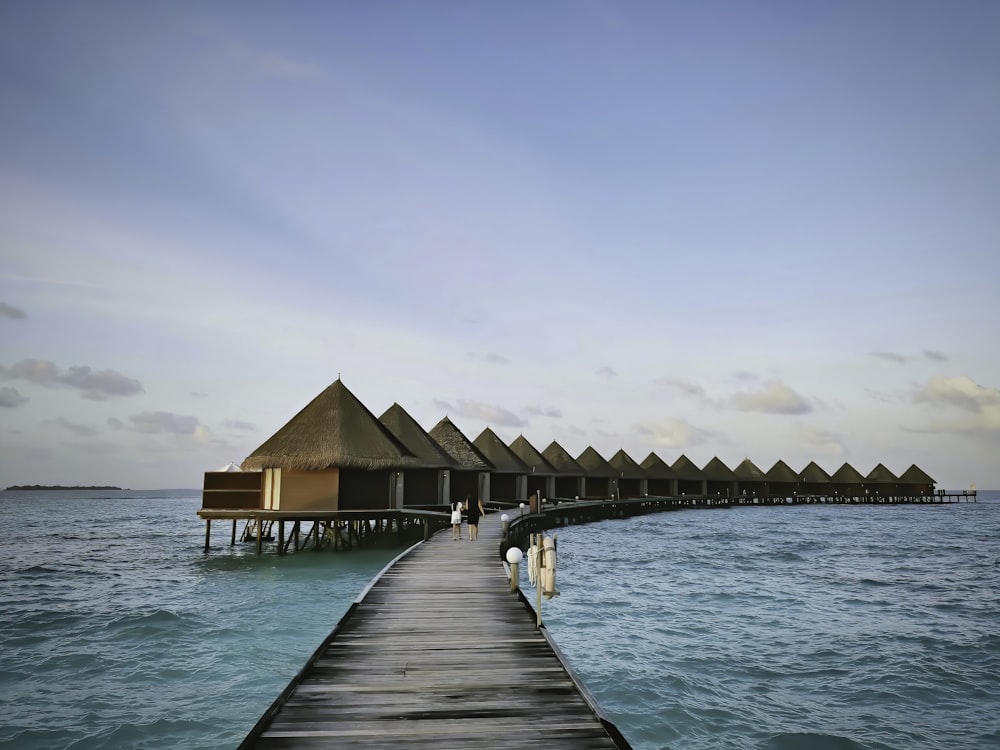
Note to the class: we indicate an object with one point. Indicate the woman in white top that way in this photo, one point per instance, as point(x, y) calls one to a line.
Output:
point(456, 519)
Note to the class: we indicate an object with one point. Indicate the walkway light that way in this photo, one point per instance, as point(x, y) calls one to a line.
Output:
point(514, 557)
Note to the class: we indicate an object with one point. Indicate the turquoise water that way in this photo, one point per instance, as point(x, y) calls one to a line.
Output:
point(772, 628)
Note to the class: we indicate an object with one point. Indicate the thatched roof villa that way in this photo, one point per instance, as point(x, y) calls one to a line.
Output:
point(542, 474)
point(631, 479)
point(427, 484)
point(333, 455)
point(690, 479)
point(509, 479)
point(599, 474)
point(570, 475)
point(470, 473)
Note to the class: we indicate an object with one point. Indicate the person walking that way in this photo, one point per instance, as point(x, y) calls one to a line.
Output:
point(474, 512)
point(456, 519)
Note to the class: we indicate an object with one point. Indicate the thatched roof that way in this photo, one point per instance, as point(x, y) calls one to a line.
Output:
point(594, 465)
point(656, 468)
point(627, 467)
point(504, 460)
point(561, 461)
point(716, 471)
point(685, 468)
point(915, 475)
point(535, 461)
point(781, 472)
point(415, 438)
point(333, 430)
point(881, 474)
point(464, 455)
point(847, 474)
point(748, 471)
point(814, 474)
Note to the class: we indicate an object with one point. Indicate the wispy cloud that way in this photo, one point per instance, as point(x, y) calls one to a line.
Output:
point(967, 406)
point(682, 386)
point(774, 398)
point(9, 311)
point(80, 430)
point(93, 385)
point(543, 411)
point(935, 355)
point(895, 357)
point(607, 373)
point(239, 425)
point(160, 422)
point(677, 433)
point(488, 413)
point(11, 398)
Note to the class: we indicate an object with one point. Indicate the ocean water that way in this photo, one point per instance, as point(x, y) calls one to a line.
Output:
point(808, 627)
point(771, 628)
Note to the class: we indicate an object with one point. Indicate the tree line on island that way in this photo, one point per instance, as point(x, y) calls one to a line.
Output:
point(47, 487)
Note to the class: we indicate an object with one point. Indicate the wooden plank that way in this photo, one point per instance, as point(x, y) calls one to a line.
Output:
point(439, 654)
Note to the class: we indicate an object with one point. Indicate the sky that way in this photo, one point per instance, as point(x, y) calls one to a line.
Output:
point(764, 230)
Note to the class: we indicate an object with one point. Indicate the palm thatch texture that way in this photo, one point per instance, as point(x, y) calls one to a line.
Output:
point(333, 430)
point(916, 475)
point(561, 460)
point(781, 472)
point(626, 466)
point(814, 474)
point(716, 471)
point(464, 455)
point(504, 460)
point(594, 464)
point(748, 471)
point(415, 438)
point(685, 468)
point(881, 474)
point(656, 468)
point(536, 462)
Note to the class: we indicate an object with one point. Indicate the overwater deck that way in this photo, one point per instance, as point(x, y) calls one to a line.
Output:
point(438, 653)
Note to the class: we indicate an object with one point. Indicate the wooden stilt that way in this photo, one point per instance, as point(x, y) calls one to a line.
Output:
point(208, 532)
point(232, 540)
point(260, 536)
point(281, 537)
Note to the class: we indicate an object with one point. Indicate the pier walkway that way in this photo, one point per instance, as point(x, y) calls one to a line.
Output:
point(438, 653)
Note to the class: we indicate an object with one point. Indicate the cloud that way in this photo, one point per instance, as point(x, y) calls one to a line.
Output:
point(775, 398)
point(198, 394)
point(685, 387)
point(10, 398)
point(677, 433)
point(935, 355)
point(607, 373)
point(80, 430)
point(488, 413)
point(160, 422)
point(899, 359)
point(9, 311)
point(238, 424)
point(542, 411)
point(93, 385)
point(824, 442)
point(959, 392)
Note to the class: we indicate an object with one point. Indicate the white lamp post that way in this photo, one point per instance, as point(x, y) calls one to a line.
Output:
point(514, 557)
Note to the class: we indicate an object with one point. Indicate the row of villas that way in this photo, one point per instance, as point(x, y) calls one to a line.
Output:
point(336, 455)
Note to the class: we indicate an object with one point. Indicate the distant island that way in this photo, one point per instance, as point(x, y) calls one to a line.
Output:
point(36, 487)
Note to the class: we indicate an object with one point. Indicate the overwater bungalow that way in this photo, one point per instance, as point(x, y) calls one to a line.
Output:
point(333, 455)
point(751, 480)
point(690, 479)
point(661, 481)
point(782, 482)
point(427, 484)
point(470, 472)
point(509, 478)
point(720, 480)
point(814, 481)
point(882, 483)
point(599, 474)
point(542, 474)
point(916, 483)
point(847, 482)
point(570, 475)
point(631, 478)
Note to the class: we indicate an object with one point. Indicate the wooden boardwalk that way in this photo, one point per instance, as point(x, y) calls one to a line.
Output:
point(438, 653)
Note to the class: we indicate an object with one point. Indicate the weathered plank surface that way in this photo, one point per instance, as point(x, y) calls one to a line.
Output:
point(439, 654)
